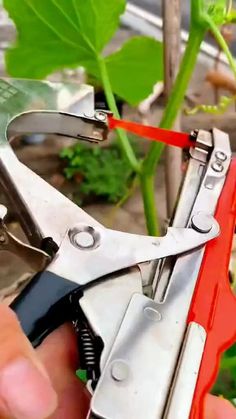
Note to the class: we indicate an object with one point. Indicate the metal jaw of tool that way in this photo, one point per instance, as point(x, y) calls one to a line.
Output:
point(127, 295)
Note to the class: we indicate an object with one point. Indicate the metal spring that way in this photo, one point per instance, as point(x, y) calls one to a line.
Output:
point(87, 346)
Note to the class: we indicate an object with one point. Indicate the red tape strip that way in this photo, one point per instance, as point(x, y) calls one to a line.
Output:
point(177, 139)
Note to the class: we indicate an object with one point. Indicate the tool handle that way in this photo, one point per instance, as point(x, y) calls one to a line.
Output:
point(214, 305)
point(39, 307)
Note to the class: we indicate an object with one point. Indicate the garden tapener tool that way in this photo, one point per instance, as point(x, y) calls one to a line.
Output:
point(152, 314)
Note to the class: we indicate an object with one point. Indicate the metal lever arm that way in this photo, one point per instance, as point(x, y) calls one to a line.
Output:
point(77, 267)
point(60, 123)
point(110, 251)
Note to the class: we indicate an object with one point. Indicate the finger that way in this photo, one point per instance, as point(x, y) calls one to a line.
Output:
point(218, 408)
point(60, 356)
point(25, 388)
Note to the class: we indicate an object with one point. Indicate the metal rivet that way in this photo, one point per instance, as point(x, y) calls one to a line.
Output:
point(152, 314)
point(217, 166)
point(202, 222)
point(119, 370)
point(209, 185)
point(220, 155)
point(84, 237)
point(100, 116)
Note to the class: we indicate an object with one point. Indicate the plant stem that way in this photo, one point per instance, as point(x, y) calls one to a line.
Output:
point(123, 139)
point(171, 111)
point(149, 204)
point(222, 43)
point(177, 95)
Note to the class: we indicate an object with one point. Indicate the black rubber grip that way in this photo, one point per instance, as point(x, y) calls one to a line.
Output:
point(43, 305)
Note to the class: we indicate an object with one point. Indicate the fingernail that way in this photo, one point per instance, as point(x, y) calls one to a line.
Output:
point(26, 392)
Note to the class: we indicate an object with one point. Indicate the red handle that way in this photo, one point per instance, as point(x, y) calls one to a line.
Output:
point(214, 305)
point(177, 139)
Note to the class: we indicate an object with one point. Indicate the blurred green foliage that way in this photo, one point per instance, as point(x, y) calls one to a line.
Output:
point(101, 173)
point(226, 382)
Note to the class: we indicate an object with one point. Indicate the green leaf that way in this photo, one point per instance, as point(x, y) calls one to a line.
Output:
point(135, 68)
point(54, 34)
point(217, 10)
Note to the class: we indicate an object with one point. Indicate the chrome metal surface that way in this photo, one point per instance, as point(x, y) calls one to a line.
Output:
point(138, 343)
point(217, 166)
point(59, 123)
point(84, 237)
point(203, 145)
point(186, 373)
point(220, 155)
point(100, 116)
point(202, 222)
point(119, 370)
point(42, 210)
point(19, 96)
point(119, 250)
point(105, 303)
point(34, 257)
point(152, 314)
point(144, 343)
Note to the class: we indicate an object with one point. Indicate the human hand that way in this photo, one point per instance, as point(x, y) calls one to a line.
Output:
point(40, 384)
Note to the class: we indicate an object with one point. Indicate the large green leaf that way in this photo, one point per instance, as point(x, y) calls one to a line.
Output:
point(56, 34)
point(135, 68)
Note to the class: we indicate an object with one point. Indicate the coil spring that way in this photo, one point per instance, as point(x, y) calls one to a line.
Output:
point(87, 347)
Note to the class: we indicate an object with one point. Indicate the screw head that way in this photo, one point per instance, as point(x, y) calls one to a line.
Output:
point(202, 222)
point(100, 116)
point(119, 370)
point(84, 237)
point(220, 155)
point(209, 185)
point(217, 166)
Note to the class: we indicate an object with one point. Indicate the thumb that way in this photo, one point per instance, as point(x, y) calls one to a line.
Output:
point(218, 408)
point(25, 388)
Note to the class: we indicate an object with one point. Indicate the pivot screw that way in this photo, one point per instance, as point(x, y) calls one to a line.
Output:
point(119, 370)
point(217, 166)
point(100, 116)
point(220, 155)
point(84, 237)
point(202, 222)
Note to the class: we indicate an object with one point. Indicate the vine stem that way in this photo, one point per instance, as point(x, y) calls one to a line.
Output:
point(123, 139)
point(222, 43)
point(172, 109)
